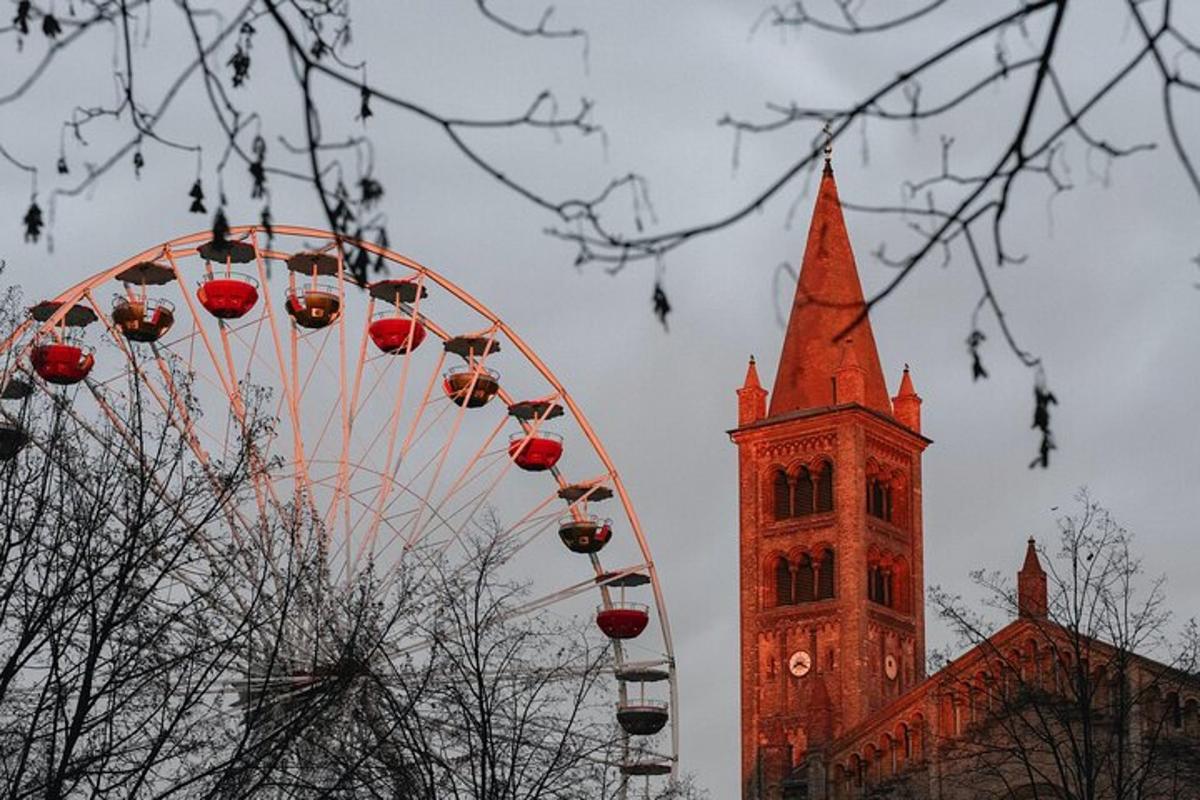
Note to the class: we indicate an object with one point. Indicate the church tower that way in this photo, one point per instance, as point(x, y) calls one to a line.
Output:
point(829, 471)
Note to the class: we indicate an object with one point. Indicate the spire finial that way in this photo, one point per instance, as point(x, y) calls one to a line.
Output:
point(752, 398)
point(1031, 585)
point(828, 131)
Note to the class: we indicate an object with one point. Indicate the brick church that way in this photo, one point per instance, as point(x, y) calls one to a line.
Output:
point(836, 701)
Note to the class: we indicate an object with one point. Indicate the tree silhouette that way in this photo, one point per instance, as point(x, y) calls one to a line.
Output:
point(158, 637)
point(1020, 66)
point(1095, 699)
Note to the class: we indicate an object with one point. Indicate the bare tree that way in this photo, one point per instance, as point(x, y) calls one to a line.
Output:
point(114, 630)
point(1017, 63)
point(222, 50)
point(482, 700)
point(1093, 696)
point(158, 638)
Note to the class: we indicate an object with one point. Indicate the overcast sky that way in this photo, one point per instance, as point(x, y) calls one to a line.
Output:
point(1107, 295)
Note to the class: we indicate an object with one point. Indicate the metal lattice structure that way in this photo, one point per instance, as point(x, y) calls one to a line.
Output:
point(400, 412)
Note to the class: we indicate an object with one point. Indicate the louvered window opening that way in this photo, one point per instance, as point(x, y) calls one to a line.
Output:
point(879, 499)
point(804, 581)
point(803, 495)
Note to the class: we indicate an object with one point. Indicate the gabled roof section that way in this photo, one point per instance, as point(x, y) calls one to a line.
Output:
point(828, 300)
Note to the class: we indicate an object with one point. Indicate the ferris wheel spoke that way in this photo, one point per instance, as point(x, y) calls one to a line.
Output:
point(465, 476)
point(199, 327)
point(531, 428)
point(439, 521)
point(175, 412)
point(531, 531)
point(368, 449)
point(246, 437)
point(575, 590)
point(361, 364)
point(400, 393)
point(444, 452)
point(389, 471)
point(344, 400)
point(162, 491)
point(293, 403)
point(229, 510)
point(228, 384)
point(475, 503)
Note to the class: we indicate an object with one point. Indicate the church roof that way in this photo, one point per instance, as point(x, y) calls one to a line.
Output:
point(829, 299)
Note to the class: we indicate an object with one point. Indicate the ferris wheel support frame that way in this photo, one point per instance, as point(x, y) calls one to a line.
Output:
point(177, 246)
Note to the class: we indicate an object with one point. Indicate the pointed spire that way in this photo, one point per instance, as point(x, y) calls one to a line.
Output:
point(829, 299)
point(752, 398)
point(828, 131)
point(1031, 585)
point(1032, 565)
point(751, 381)
point(906, 405)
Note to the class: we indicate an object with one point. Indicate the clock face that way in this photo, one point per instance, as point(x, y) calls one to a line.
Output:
point(889, 667)
point(800, 663)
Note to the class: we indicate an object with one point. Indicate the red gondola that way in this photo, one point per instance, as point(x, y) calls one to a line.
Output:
point(143, 320)
point(588, 535)
point(62, 363)
point(623, 620)
point(471, 386)
point(643, 717)
point(391, 331)
point(535, 452)
point(314, 307)
point(228, 296)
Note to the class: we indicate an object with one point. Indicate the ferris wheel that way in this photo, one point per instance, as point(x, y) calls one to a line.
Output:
point(400, 412)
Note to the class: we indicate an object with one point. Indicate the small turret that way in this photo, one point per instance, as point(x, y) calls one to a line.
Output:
point(906, 405)
point(1031, 586)
point(849, 379)
point(752, 397)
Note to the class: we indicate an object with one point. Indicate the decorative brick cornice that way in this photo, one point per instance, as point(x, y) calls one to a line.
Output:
point(803, 524)
point(888, 453)
point(884, 533)
point(808, 614)
point(820, 443)
point(885, 619)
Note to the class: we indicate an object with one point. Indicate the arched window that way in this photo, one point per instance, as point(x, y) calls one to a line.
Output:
point(783, 496)
point(783, 583)
point(1174, 711)
point(880, 585)
point(824, 486)
point(802, 498)
point(879, 499)
point(805, 588)
point(825, 576)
